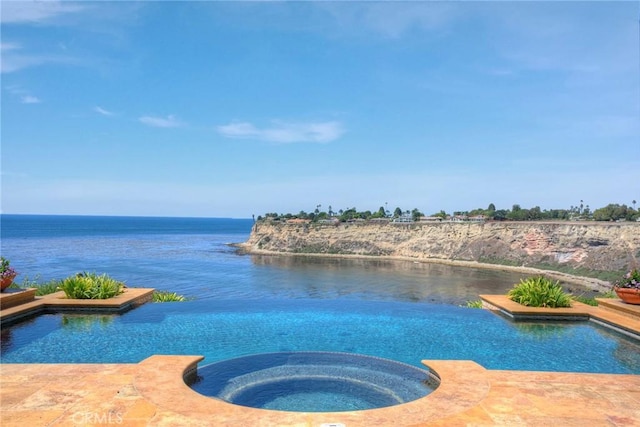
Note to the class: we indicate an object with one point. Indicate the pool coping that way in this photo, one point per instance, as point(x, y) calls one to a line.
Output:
point(57, 301)
point(161, 380)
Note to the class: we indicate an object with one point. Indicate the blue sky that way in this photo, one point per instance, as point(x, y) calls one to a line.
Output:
point(228, 109)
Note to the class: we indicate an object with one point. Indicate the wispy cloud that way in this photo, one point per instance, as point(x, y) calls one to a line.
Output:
point(36, 11)
point(6, 47)
point(102, 111)
point(30, 99)
point(96, 24)
point(15, 58)
point(570, 39)
point(161, 122)
point(284, 132)
point(23, 95)
point(390, 19)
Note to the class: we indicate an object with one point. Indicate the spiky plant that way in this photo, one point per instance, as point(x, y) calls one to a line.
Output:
point(166, 296)
point(539, 291)
point(91, 286)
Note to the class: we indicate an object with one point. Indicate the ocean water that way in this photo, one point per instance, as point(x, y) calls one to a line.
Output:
point(192, 256)
point(244, 304)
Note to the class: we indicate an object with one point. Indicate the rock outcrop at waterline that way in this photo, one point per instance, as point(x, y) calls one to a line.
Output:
point(565, 246)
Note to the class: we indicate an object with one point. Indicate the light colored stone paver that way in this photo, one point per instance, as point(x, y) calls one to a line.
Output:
point(153, 393)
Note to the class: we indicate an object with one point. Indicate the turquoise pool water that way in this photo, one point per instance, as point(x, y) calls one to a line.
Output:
point(401, 331)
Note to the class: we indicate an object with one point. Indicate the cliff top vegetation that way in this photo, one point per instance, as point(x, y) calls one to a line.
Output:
point(581, 212)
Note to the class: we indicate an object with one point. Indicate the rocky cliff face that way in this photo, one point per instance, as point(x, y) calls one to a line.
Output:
point(577, 246)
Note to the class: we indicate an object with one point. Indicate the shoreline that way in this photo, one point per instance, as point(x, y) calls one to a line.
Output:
point(588, 282)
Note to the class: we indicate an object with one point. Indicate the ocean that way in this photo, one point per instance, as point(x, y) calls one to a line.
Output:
point(193, 257)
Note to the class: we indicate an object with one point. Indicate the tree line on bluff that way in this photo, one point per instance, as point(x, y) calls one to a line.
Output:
point(611, 212)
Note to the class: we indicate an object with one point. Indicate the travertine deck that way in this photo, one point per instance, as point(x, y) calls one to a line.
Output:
point(153, 393)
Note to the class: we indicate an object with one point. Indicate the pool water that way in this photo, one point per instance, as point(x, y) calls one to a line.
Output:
point(313, 381)
point(400, 331)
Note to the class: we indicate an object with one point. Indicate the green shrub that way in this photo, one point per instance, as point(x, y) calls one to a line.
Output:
point(45, 288)
point(165, 296)
point(48, 287)
point(586, 300)
point(608, 294)
point(538, 291)
point(474, 304)
point(91, 286)
point(592, 300)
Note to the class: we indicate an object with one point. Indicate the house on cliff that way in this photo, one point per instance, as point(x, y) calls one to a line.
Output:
point(430, 219)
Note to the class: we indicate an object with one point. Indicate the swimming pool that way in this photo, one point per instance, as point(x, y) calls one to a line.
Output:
point(400, 331)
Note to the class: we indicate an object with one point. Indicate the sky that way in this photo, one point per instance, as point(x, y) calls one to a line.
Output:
point(234, 109)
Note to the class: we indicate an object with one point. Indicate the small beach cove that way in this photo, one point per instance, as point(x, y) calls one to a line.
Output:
point(583, 283)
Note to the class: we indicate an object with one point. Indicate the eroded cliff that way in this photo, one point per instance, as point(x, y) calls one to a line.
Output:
point(570, 247)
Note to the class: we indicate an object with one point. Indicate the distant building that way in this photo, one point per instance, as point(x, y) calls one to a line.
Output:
point(379, 220)
point(355, 220)
point(404, 218)
point(430, 219)
point(330, 221)
point(298, 221)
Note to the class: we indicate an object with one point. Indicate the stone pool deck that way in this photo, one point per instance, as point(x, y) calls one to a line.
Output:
point(153, 393)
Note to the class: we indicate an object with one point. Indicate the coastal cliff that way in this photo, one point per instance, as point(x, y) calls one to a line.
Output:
point(575, 248)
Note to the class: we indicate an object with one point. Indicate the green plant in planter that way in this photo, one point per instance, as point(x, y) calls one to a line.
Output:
point(538, 291)
point(7, 273)
point(631, 280)
point(91, 286)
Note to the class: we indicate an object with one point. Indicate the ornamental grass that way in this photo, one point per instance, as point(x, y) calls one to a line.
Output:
point(538, 291)
point(91, 286)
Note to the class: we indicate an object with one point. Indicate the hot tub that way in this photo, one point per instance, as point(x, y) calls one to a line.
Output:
point(314, 381)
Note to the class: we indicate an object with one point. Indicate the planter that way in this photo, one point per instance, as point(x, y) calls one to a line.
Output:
point(6, 282)
point(629, 295)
